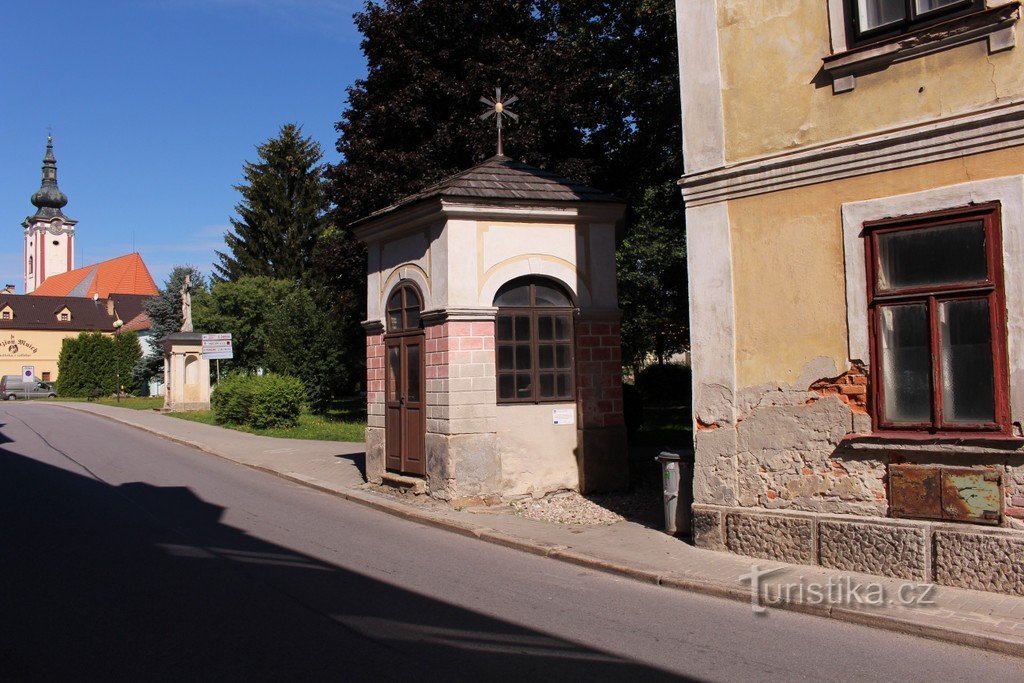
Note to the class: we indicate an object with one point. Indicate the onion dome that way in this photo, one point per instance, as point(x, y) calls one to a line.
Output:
point(49, 199)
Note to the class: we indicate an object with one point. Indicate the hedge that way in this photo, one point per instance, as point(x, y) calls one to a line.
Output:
point(259, 401)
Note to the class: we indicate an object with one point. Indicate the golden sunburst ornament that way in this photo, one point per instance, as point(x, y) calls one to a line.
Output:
point(498, 109)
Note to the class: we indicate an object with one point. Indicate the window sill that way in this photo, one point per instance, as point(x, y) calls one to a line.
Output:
point(995, 24)
point(916, 441)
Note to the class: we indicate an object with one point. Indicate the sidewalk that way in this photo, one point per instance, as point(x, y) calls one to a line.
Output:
point(986, 620)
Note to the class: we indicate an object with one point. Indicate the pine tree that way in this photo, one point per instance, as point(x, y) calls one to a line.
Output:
point(282, 212)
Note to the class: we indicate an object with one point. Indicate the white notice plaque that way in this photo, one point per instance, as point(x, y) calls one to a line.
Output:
point(563, 416)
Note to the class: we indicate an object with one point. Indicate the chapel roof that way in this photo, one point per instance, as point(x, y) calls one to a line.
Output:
point(122, 275)
point(502, 178)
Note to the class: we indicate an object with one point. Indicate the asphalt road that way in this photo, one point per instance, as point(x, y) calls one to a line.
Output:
point(126, 556)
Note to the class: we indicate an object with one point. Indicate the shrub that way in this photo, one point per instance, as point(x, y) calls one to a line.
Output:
point(276, 401)
point(667, 383)
point(259, 401)
point(230, 401)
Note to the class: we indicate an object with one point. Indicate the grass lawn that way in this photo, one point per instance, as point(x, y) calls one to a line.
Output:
point(345, 421)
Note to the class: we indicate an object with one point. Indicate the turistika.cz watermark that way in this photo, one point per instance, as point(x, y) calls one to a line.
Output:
point(836, 590)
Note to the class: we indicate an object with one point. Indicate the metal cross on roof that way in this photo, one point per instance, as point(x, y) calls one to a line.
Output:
point(499, 110)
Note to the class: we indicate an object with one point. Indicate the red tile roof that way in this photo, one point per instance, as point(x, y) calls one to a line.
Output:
point(122, 275)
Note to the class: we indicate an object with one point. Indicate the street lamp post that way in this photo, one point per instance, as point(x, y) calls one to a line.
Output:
point(117, 355)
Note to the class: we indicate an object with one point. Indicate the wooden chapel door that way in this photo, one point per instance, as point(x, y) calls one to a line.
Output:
point(405, 405)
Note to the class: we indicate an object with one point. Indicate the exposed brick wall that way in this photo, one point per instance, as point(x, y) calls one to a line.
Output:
point(599, 373)
point(375, 380)
point(460, 377)
point(851, 387)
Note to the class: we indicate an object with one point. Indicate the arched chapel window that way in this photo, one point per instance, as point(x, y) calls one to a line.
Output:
point(533, 342)
point(29, 265)
point(403, 309)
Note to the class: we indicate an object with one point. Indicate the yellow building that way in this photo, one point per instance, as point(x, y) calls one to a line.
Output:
point(33, 327)
point(854, 186)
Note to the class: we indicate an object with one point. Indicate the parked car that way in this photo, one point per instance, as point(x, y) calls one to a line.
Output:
point(14, 387)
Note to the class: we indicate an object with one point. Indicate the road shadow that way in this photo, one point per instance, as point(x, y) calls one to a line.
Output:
point(138, 581)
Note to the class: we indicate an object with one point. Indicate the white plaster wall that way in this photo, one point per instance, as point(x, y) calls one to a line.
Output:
point(56, 256)
point(700, 81)
point(712, 322)
point(537, 457)
point(1009, 192)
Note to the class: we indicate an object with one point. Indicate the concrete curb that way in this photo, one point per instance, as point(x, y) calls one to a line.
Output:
point(688, 583)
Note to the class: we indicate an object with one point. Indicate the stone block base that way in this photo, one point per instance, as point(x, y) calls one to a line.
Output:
point(960, 555)
point(375, 455)
point(603, 459)
point(463, 466)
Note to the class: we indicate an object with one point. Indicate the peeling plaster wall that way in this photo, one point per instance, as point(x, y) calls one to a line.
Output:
point(775, 97)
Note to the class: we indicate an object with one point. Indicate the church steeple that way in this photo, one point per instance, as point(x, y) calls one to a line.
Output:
point(49, 200)
point(49, 234)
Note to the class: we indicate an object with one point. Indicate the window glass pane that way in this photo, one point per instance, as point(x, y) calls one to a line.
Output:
point(412, 318)
point(523, 357)
point(906, 363)
point(941, 255)
point(545, 327)
point(506, 386)
point(562, 328)
point(547, 295)
point(563, 385)
point(412, 300)
point(522, 328)
point(547, 385)
point(395, 320)
point(875, 13)
point(393, 370)
point(513, 296)
point(563, 356)
point(524, 385)
point(546, 357)
point(412, 372)
point(966, 362)
point(506, 357)
point(395, 302)
point(504, 330)
point(923, 6)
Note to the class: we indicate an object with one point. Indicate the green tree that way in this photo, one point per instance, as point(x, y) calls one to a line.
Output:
point(127, 355)
point(599, 103)
point(243, 308)
point(304, 342)
point(282, 213)
point(281, 327)
point(86, 365)
point(164, 312)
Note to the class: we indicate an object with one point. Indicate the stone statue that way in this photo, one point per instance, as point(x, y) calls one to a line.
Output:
point(186, 304)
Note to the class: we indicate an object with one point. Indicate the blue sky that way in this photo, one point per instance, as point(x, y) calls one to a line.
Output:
point(155, 105)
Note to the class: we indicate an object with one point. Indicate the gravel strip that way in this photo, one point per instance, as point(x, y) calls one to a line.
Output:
point(565, 507)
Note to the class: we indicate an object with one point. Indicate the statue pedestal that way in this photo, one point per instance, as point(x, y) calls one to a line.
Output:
point(186, 373)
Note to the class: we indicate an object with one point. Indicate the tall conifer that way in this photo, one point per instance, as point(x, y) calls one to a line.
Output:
point(282, 213)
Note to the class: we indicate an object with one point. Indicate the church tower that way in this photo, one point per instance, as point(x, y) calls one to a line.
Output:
point(49, 234)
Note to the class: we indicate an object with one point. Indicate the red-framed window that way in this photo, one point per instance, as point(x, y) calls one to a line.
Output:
point(534, 342)
point(937, 320)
